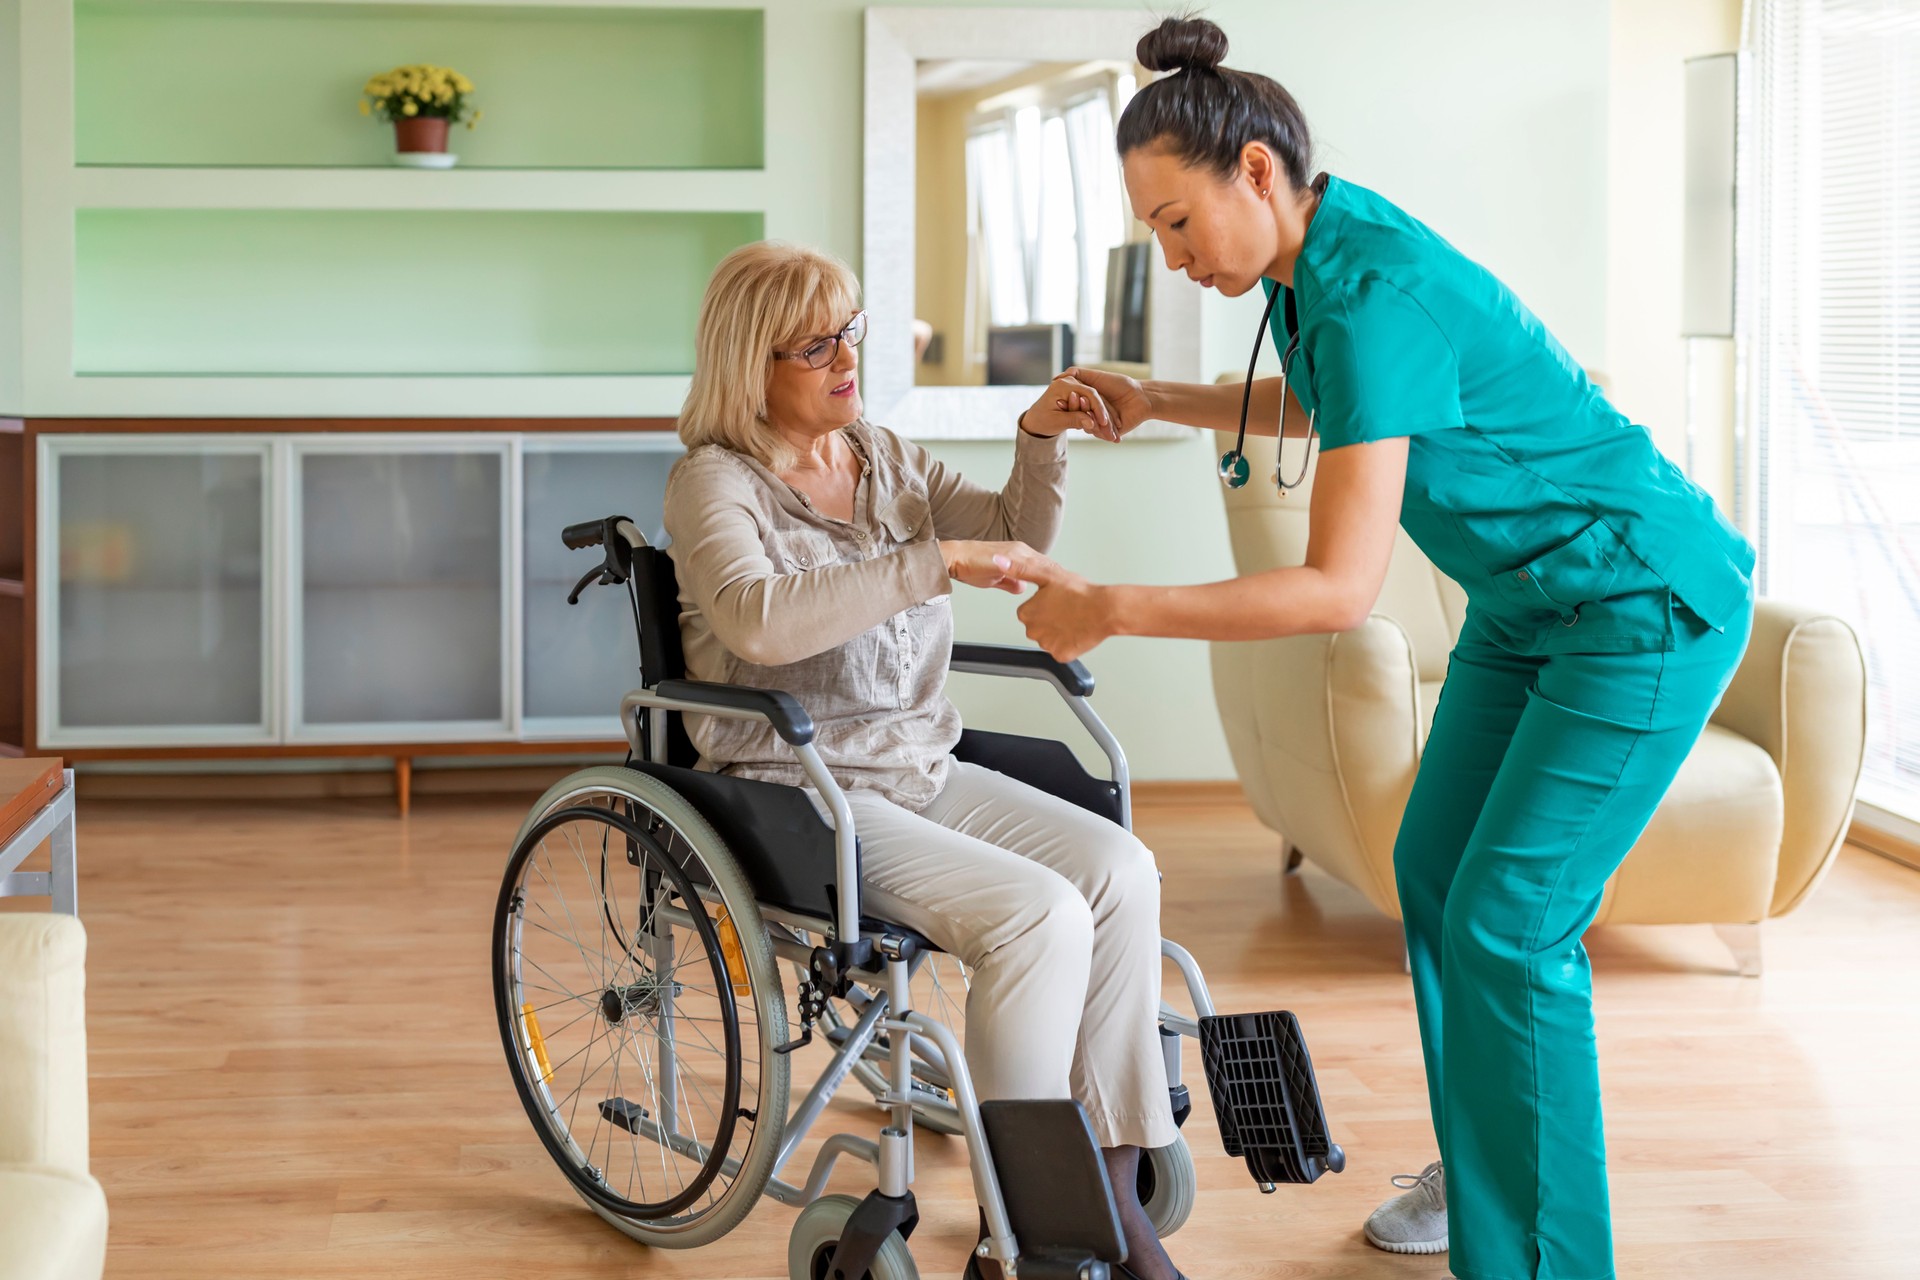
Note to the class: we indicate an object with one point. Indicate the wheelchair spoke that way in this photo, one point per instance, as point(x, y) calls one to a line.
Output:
point(656, 1041)
point(574, 939)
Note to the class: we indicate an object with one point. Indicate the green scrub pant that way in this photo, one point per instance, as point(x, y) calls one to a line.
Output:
point(1539, 775)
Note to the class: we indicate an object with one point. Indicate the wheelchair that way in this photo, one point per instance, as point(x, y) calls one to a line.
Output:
point(639, 938)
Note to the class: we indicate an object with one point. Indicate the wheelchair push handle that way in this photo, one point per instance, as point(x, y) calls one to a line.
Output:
point(588, 533)
point(619, 535)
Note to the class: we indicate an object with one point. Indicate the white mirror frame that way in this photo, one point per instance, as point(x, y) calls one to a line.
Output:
point(897, 40)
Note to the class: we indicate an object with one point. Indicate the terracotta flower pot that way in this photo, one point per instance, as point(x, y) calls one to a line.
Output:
point(420, 133)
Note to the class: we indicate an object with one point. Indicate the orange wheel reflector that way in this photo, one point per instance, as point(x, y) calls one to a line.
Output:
point(735, 955)
point(536, 1042)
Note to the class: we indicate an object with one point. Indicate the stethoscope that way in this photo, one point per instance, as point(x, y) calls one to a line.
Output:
point(1234, 471)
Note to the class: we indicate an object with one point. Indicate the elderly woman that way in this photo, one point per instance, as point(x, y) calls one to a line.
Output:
point(816, 553)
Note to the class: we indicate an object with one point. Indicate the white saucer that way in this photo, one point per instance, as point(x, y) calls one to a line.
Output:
point(426, 159)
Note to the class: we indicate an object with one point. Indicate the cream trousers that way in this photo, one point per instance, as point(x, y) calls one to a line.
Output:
point(1057, 913)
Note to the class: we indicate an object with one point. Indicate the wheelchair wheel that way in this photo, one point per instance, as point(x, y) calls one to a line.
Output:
point(639, 1003)
point(818, 1229)
point(939, 991)
point(1168, 1186)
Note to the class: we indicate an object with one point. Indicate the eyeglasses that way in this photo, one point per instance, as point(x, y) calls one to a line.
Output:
point(824, 351)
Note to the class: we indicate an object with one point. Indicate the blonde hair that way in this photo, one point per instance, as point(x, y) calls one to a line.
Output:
point(762, 298)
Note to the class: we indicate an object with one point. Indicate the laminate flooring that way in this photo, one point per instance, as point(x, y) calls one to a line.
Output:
point(296, 1071)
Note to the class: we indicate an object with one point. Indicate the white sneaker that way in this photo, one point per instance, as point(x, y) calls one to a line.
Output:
point(1415, 1222)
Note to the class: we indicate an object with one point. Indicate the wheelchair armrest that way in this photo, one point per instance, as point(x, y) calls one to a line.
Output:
point(1018, 660)
point(780, 709)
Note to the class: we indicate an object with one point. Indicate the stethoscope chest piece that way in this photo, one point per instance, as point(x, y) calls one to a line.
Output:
point(1234, 470)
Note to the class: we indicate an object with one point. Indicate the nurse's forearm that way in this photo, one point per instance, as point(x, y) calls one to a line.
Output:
point(1262, 606)
point(1216, 407)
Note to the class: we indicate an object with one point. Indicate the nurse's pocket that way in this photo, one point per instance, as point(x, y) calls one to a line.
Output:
point(1576, 572)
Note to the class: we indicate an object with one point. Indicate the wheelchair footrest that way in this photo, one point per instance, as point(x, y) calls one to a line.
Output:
point(1266, 1097)
point(1058, 1197)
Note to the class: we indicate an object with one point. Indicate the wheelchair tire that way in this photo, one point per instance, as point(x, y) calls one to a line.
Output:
point(1168, 1186)
point(642, 981)
point(818, 1229)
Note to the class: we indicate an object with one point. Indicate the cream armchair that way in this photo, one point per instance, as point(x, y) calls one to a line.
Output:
point(1326, 733)
point(53, 1217)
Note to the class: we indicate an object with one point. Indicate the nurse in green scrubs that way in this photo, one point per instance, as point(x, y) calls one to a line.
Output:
point(1609, 602)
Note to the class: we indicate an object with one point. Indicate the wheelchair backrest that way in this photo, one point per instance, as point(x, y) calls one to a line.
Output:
point(656, 594)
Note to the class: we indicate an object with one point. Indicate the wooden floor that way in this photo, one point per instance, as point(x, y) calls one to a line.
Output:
point(296, 1072)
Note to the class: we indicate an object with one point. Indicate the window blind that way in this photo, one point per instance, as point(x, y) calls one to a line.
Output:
point(1830, 316)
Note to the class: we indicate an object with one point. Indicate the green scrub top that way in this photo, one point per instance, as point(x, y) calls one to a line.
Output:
point(1570, 531)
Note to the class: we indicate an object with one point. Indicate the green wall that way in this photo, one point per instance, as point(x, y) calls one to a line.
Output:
point(210, 82)
point(288, 292)
point(12, 398)
point(1487, 121)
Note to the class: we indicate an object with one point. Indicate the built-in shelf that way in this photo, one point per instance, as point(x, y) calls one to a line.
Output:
point(276, 82)
point(389, 188)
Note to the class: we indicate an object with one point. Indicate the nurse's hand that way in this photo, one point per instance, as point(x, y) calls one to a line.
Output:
point(1066, 405)
point(1069, 615)
point(1123, 401)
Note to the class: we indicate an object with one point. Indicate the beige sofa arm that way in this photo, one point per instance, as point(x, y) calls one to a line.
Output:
point(43, 1042)
point(1801, 694)
point(1325, 735)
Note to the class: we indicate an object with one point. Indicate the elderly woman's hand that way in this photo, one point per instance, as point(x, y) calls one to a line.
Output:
point(1068, 404)
point(1103, 404)
point(1007, 566)
point(1069, 615)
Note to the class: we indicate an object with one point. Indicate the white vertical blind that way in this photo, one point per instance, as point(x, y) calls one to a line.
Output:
point(1831, 318)
point(1046, 207)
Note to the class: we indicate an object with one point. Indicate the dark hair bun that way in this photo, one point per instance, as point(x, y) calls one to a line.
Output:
point(1182, 44)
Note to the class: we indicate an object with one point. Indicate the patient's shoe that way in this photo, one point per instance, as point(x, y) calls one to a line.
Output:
point(1415, 1222)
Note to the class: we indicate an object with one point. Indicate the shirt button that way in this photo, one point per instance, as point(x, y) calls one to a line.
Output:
point(1521, 576)
point(861, 534)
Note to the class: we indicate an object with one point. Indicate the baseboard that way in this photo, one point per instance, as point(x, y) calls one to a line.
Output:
point(1188, 792)
point(358, 784)
point(1885, 834)
point(362, 784)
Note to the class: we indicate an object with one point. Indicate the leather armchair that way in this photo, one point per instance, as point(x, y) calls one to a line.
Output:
point(53, 1215)
point(1326, 733)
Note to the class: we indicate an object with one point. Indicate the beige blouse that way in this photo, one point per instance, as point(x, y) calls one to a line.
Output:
point(853, 618)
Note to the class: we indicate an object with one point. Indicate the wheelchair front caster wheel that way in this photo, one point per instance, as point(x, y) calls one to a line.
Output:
point(817, 1231)
point(1168, 1186)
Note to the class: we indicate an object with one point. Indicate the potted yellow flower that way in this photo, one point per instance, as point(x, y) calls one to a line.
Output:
point(422, 101)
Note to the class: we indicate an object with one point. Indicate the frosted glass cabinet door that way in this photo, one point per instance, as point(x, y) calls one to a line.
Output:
point(159, 624)
point(580, 659)
point(400, 591)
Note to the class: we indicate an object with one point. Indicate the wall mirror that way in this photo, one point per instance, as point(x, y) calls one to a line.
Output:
point(999, 247)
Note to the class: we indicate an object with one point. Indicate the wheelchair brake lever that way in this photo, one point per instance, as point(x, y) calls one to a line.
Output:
point(597, 572)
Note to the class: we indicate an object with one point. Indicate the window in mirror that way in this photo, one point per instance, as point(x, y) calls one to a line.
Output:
point(1028, 258)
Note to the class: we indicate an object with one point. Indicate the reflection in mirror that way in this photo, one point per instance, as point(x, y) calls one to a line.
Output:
point(1027, 257)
